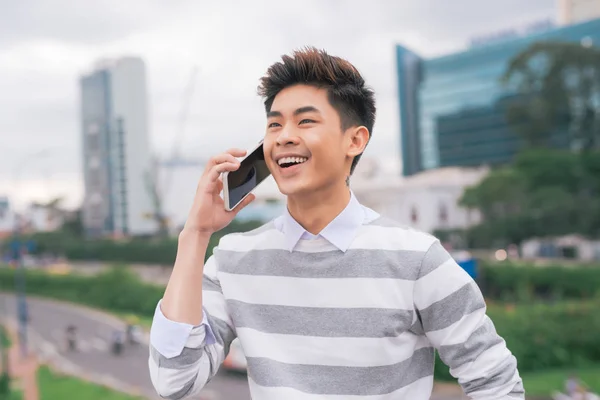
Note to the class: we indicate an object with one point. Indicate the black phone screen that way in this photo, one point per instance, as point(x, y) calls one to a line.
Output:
point(252, 171)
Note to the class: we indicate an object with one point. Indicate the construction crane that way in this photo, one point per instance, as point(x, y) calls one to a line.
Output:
point(156, 191)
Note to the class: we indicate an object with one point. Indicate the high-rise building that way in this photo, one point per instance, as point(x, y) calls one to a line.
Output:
point(575, 11)
point(116, 150)
point(453, 108)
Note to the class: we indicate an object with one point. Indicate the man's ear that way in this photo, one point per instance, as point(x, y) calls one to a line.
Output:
point(358, 137)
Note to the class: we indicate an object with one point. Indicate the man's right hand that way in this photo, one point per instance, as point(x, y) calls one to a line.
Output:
point(208, 214)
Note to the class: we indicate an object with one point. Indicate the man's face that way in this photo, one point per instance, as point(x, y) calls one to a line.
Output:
point(305, 148)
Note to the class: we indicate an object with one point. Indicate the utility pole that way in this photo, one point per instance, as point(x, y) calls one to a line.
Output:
point(5, 378)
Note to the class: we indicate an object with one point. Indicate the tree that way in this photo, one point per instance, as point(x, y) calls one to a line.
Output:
point(543, 193)
point(559, 83)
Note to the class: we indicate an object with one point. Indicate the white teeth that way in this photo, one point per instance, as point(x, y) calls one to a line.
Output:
point(289, 160)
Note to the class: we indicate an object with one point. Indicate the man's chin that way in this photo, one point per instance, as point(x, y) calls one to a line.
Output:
point(292, 188)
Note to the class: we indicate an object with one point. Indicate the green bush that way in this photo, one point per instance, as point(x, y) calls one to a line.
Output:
point(514, 282)
point(139, 250)
point(118, 289)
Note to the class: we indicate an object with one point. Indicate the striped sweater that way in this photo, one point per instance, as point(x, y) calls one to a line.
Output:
point(321, 324)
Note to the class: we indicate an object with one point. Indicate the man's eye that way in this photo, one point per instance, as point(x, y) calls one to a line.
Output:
point(273, 124)
point(307, 121)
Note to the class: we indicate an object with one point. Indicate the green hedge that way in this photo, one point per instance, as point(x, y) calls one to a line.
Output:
point(510, 282)
point(139, 250)
point(116, 290)
point(541, 336)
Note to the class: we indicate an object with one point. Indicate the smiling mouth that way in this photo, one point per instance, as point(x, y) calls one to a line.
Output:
point(287, 162)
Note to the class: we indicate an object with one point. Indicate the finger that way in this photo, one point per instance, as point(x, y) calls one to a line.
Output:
point(219, 184)
point(236, 152)
point(249, 199)
point(216, 171)
point(221, 158)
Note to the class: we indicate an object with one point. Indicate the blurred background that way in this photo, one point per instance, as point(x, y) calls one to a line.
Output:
point(487, 135)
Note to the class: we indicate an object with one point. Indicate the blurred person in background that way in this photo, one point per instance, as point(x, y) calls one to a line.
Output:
point(330, 299)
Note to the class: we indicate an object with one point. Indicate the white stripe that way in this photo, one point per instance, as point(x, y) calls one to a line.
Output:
point(168, 381)
point(418, 390)
point(368, 237)
point(460, 331)
point(440, 283)
point(210, 267)
point(214, 303)
point(482, 365)
point(314, 292)
point(498, 391)
point(350, 352)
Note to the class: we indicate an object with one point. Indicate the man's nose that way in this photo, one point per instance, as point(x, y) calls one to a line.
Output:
point(287, 136)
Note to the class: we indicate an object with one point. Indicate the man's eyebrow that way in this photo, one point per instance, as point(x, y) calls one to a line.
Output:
point(301, 110)
point(306, 109)
point(271, 114)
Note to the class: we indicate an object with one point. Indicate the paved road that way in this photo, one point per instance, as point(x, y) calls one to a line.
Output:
point(129, 371)
point(48, 322)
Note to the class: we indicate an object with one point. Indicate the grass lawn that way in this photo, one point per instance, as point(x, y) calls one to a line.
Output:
point(546, 382)
point(59, 387)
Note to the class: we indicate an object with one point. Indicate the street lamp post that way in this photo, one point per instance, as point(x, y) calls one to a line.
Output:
point(19, 250)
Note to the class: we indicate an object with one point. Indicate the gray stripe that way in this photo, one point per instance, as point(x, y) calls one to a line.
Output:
point(224, 335)
point(334, 380)
point(501, 375)
point(184, 391)
point(481, 340)
point(449, 310)
point(435, 256)
point(354, 263)
point(155, 355)
point(186, 359)
point(417, 327)
point(210, 285)
point(518, 389)
point(322, 322)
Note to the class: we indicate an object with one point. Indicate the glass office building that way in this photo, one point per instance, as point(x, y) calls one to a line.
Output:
point(452, 108)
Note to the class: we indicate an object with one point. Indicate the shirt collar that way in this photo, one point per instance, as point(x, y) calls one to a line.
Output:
point(340, 232)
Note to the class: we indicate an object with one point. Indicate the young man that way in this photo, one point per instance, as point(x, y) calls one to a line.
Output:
point(329, 301)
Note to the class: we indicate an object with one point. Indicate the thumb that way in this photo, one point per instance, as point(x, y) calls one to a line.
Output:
point(249, 199)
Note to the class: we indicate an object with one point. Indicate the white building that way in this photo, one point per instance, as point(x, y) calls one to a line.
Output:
point(426, 201)
point(116, 150)
point(575, 11)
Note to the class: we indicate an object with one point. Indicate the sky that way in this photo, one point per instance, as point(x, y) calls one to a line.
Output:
point(46, 45)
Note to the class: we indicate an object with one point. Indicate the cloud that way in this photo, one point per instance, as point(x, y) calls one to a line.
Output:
point(46, 45)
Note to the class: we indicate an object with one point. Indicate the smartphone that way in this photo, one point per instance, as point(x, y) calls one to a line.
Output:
point(253, 171)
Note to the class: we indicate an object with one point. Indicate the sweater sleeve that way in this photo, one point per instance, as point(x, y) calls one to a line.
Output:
point(184, 358)
point(453, 316)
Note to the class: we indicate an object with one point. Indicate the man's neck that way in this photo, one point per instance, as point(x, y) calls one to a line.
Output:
point(316, 210)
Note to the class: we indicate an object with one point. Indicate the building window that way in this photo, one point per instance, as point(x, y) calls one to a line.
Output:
point(93, 143)
point(414, 217)
point(443, 214)
point(94, 175)
point(94, 162)
point(93, 129)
